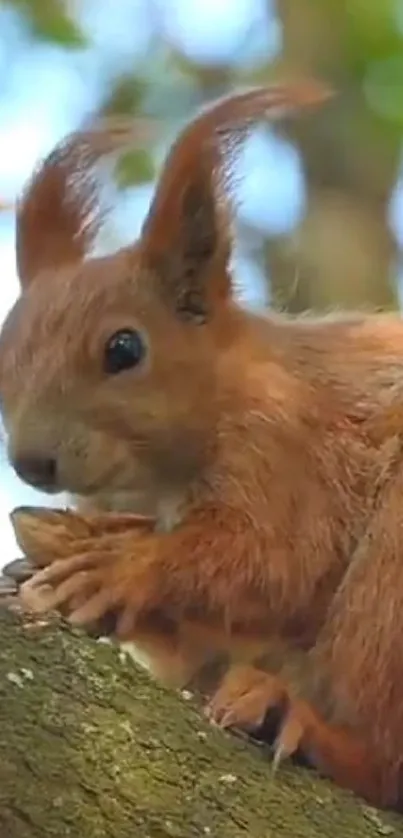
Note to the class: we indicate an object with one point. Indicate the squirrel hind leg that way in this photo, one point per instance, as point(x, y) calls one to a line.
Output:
point(260, 703)
point(335, 751)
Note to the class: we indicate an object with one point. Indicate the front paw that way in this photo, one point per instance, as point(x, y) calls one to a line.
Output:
point(73, 552)
point(112, 576)
point(63, 585)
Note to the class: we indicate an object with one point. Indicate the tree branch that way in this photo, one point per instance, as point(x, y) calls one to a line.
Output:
point(91, 747)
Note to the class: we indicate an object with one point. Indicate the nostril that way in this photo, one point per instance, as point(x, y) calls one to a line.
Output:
point(40, 472)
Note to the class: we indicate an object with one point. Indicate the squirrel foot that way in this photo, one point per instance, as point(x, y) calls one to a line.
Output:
point(245, 697)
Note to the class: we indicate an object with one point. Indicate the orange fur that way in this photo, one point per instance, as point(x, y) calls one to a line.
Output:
point(267, 448)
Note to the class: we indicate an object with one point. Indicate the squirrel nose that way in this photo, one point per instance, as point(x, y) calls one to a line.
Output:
point(40, 472)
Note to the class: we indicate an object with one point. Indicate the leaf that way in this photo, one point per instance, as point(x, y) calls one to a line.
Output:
point(125, 97)
point(384, 88)
point(134, 167)
point(50, 21)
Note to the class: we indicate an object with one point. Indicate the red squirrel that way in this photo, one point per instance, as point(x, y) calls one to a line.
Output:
point(267, 448)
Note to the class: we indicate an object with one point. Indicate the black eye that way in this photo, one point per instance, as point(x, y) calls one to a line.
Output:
point(124, 350)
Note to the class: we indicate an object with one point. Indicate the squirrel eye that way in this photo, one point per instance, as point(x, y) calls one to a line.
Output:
point(124, 350)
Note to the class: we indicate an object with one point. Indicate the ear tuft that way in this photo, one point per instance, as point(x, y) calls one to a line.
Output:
point(59, 215)
point(186, 238)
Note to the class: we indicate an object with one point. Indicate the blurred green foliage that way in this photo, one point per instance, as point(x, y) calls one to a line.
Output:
point(126, 95)
point(50, 20)
point(370, 47)
point(134, 167)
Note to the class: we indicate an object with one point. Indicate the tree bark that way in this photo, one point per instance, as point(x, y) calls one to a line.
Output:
point(91, 747)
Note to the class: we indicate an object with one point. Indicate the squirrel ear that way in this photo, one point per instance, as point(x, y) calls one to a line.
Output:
point(186, 237)
point(59, 215)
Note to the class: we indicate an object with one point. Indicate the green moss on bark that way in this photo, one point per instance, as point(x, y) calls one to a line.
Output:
point(90, 747)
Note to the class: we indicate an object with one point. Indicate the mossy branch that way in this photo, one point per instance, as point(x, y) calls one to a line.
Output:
point(91, 747)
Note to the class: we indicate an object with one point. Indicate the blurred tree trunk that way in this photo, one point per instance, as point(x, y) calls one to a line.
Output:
point(92, 748)
point(343, 252)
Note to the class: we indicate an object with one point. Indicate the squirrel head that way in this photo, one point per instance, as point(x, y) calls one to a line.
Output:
point(110, 367)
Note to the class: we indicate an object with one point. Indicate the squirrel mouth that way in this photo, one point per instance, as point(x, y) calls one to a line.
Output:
point(105, 483)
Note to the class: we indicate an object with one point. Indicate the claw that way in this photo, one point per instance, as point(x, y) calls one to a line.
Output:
point(279, 756)
point(93, 608)
point(37, 599)
point(289, 739)
point(244, 698)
